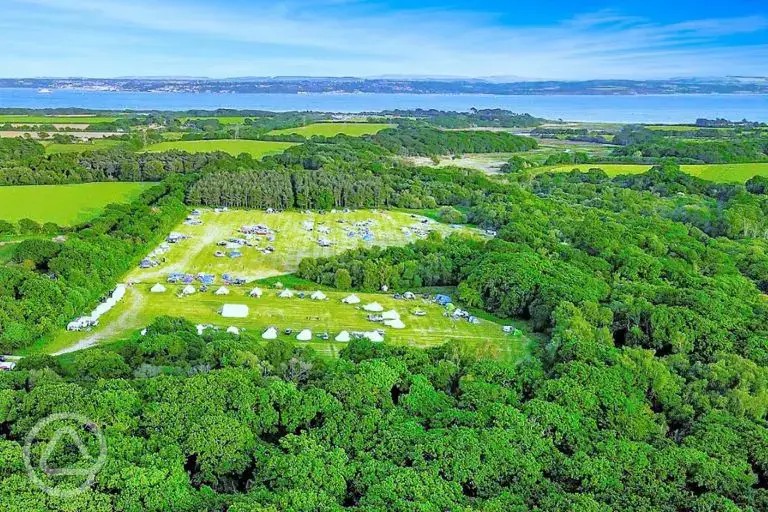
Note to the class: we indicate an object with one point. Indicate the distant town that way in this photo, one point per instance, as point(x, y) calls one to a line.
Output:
point(352, 85)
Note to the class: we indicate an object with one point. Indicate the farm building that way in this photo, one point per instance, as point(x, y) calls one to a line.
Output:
point(305, 335)
point(343, 337)
point(373, 307)
point(351, 299)
point(234, 311)
point(256, 292)
point(318, 295)
point(158, 288)
point(270, 334)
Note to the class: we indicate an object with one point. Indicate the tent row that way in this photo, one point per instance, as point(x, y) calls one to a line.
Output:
point(103, 308)
point(343, 337)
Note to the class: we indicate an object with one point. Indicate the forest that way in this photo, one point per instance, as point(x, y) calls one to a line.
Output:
point(646, 388)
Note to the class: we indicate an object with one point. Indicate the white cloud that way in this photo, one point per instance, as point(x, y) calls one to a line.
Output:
point(340, 37)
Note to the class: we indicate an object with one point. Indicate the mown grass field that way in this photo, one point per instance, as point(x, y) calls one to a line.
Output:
point(255, 148)
point(140, 308)
point(724, 173)
point(94, 145)
point(332, 129)
point(221, 119)
point(65, 205)
point(292, 241)
point(21, 119)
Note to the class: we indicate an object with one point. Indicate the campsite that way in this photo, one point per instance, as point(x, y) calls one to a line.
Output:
point(275, 243)
point(331, 316)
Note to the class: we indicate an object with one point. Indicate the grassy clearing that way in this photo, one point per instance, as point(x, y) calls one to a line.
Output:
point(65, 205)
point(255, 148)
point(331, 129)
point(724, 173)
point(331, 316)
point(292, 241)
point(93, 145)
point(56, 119)
point(221, 119)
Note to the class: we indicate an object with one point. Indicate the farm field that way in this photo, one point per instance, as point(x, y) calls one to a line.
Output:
point(331, 129)
point(140, 307)
point(255, 148)
point(85, 120)
point(292, 241)
point(724, 173)
point(221, 119)
point(65, 205)
point(81, 148)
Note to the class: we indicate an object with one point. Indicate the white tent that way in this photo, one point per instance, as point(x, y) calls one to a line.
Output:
point(318, 295)
point(395, 324)
point(101, 309)
point(270, 334)
point(390, 315)
point(305, 335)
point(188, 290)
point(374, 336)
point(119, 292)
point(200, 329)
point(234, 311)
point(343, 336)
point(409, 295)
point(373, 307)
point(352, 299)
point(158, 288)
point(233, 330)
point(286, 294)
point(222, 291)
point(256, 292)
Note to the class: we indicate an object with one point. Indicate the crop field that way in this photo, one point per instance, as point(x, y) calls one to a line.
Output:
point(82, 147)
point(255, 148)
point(292, 241)
point(724, 173)
point(331, 129)
point(65, 205)
point(22, 119)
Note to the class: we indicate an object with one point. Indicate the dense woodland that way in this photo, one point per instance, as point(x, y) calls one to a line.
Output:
point(648, 389)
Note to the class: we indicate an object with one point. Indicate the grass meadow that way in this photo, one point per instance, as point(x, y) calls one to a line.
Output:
point(723, 173)
point(255, 148)
point(332, 129)
point(81, 147)
point(66, 205)
point(22, 119)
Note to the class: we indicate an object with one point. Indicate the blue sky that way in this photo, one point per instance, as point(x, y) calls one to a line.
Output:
point(556, 39)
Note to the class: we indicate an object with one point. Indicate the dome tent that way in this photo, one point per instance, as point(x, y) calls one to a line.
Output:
point(270, 334)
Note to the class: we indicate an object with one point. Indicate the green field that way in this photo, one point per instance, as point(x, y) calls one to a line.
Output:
point(65, 205)
point(221, 119)
point(724, 173)
point(292, 241)
point(81, 147)
point(255, 148)
point(140, 308)
point(16, 119)
point(331, 129)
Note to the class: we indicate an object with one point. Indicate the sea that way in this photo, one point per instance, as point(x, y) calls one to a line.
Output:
point(610, 109)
